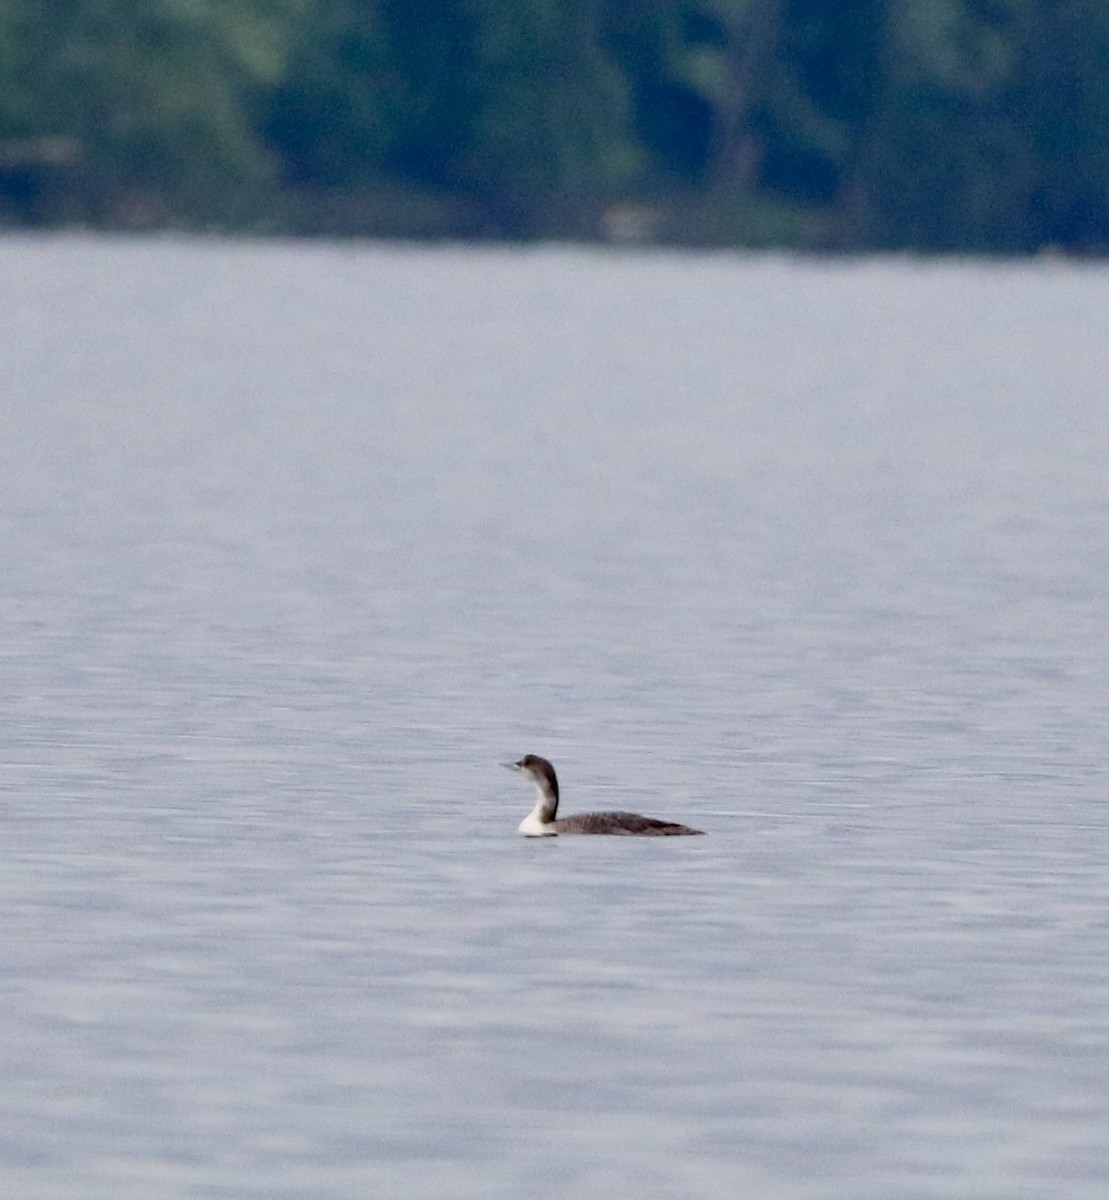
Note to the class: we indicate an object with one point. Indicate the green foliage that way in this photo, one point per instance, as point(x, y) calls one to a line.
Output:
point(1060, 98)
point(938, 125)
point(512, 105)
point(551, 123)
point(990, 129)
point(154, 97)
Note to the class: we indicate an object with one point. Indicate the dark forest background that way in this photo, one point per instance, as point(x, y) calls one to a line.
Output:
point(931, 125)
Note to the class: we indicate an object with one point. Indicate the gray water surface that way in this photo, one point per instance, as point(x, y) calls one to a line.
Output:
point(298, 542)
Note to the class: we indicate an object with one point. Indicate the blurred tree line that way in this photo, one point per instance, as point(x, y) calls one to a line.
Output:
point(937, 125)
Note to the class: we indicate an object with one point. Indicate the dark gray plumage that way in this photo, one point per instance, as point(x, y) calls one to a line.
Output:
point(543, 820)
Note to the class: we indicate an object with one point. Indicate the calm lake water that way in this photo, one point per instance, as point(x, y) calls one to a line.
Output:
point(298, 542)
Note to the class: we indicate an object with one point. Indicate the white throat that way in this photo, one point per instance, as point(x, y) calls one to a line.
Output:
point(538, 823)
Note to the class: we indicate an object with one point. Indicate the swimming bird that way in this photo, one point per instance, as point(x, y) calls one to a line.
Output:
point(542, 821)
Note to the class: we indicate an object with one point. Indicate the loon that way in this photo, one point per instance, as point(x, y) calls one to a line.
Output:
point(542, 822)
